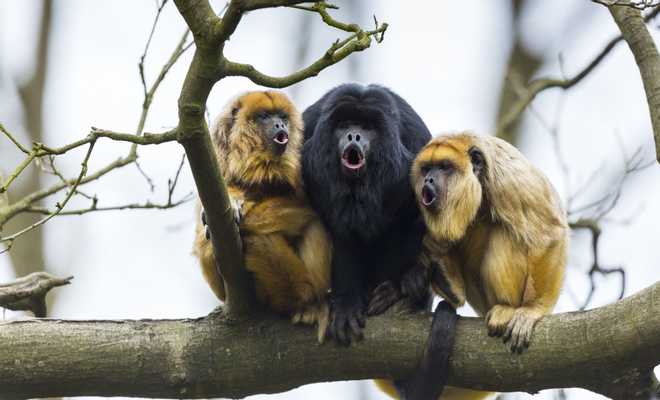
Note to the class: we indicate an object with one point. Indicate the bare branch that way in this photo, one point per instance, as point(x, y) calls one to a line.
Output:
point(600, 350)
point(358, 41)
point(636, 4)
point(536, 86)
point(594, 228)
point(29, 292)
point(9, 240)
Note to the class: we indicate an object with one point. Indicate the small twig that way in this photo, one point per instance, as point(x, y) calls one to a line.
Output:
point(29, 292)
point(150, 181)
point(171, 184)
point(159, 9)
point(639, 4)
point(148, 205)
point(58, 206)
point(358, 40)
point(594, 228)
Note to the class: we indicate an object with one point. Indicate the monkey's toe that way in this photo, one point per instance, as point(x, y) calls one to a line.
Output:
point(519, 330)
point(497, 319)
point(383, 297)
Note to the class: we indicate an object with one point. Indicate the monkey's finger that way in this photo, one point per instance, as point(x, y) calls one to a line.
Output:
point(207, 232)
point(354, 323)
point(203, 216)
point(340, 331)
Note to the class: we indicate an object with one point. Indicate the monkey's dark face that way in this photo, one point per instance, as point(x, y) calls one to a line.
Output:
point(274, 126)
point(446, 177)
point(433, 181)
point(354, 139)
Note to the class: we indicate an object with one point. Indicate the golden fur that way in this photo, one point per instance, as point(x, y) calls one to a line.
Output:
point(284, 243)
point(502, 236)
point(498, 237)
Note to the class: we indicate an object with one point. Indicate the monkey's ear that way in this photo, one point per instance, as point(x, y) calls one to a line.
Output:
point(478, 160)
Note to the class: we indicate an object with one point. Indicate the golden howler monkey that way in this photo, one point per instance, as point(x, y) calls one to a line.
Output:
point(258, 139)
point(497, 237)
point(499, 228)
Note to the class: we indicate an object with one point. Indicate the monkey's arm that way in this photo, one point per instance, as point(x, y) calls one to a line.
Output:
point(348, 297)
point(203, 249)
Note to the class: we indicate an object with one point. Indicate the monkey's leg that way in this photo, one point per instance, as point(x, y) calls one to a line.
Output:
point(315, 251)
point(522, 287)
point(348, 297)
point(429, 380)
point(542, 288)
point(280, 277)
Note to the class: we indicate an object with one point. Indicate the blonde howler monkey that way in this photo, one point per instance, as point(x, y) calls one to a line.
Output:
point(497, 237)
point(499, 229)
point(258, 140)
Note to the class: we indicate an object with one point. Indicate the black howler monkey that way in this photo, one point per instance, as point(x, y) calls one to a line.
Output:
point(360, 142)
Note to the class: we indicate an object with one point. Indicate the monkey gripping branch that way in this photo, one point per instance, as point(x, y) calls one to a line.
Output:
point(240, 350)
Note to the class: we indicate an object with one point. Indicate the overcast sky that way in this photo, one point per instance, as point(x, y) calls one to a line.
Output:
point(446, 58)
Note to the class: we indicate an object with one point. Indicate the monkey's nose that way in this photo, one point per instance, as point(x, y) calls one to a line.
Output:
point(428, 194)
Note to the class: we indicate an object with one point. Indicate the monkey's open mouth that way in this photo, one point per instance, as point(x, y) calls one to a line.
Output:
point(281, 138)
point(428, 195)
point(353, 158)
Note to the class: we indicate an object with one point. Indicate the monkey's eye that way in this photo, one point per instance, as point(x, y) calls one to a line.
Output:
point(445, 165)
point(284, 116)
point(262, 116)
point(425, 169)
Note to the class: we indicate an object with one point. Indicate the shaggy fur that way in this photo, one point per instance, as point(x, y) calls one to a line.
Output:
point(499, 234)
point(284, 242)
point(375, 225)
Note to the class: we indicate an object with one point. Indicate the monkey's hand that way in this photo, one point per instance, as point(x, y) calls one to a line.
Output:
point(383, 297)
point(347, 318)
point(514, 325)
point(236, 206)
point(414, 286)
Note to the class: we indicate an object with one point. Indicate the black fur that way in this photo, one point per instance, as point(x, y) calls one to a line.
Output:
point(430, 378)
point(374, 221)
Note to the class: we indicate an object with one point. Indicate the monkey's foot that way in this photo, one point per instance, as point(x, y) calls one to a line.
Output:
point(514, 325)
point(347, 318)
point(383, 297)
point(519, 331)
point(316, 313)
point(498, 318)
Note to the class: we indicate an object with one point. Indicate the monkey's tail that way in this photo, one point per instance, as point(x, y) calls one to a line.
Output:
point(430, 378)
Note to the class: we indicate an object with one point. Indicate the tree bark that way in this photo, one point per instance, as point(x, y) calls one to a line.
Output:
point(607, 350)
point(641, 44)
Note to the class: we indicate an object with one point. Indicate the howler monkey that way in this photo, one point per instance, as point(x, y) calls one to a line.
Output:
point(360, 142)
point(258, 139)
point(501, 230)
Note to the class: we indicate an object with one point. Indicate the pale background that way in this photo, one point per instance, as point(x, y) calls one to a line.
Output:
point(446, 58)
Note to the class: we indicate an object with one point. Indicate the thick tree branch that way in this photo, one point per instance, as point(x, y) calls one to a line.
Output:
point(609, 350)
point(29, 293)
point(634, 31)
